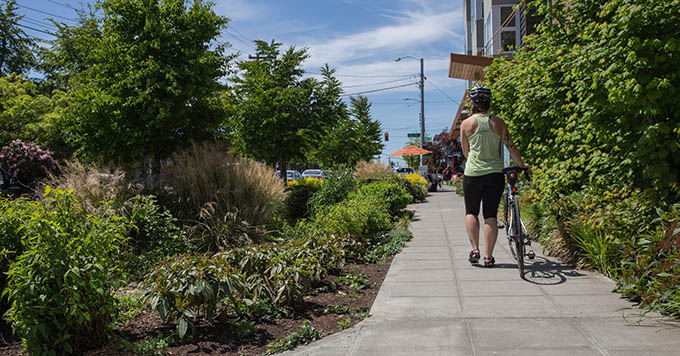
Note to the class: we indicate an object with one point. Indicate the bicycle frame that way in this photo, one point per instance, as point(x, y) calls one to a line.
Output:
point(514, 226)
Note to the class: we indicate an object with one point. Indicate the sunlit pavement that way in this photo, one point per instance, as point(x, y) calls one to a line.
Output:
point(433, 302)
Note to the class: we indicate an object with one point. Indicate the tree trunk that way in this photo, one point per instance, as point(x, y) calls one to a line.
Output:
point(156, 166)
point(284, 170)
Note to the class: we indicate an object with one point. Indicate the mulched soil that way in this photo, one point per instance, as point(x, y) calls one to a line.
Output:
point(219, 338)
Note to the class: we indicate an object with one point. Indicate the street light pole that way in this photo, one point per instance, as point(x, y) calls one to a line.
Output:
point(422, 109)
point(422, 103)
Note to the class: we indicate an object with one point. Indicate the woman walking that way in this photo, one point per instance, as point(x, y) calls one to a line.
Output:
point(483, 182)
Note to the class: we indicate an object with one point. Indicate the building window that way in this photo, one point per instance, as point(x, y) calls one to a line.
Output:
point(506, 11)
point(508, 40)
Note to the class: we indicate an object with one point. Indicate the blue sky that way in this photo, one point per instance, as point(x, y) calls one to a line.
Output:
point(359, 38)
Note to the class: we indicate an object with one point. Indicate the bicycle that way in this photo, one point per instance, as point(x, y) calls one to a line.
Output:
point(518, 236)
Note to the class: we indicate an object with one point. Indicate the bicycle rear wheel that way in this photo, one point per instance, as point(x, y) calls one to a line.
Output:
point(518, 233)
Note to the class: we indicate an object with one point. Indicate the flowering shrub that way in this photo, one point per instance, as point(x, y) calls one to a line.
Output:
point(28, 162)
point(415, 178)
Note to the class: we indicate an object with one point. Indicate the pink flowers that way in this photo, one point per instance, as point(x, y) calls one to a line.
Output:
point(27, 161)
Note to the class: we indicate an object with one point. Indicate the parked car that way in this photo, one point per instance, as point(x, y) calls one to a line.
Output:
point(291, 175)
point(402, 171)
point(10, 186)
point(314, 173)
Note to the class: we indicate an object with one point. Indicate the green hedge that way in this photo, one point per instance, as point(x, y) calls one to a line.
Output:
point(61, 285)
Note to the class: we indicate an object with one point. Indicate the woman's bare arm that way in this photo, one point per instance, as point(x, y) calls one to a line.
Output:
point(510, 145)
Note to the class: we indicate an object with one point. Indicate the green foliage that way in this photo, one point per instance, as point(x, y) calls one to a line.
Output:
point(305, 334)
point(13, 215)
point(278, 114)
point(354, 281)
point(16, 48)
point(245, 282)
point(345, 323)
point(28, 114)
point(597, 250)
point(591, 98)
point(153, 346)
point(388, 245)
point(228, 200)
point(650, 271)
point(60, 286)
point(336, 309)
point(358, 218)
point(154, 236)
point(355, 138)
point(299, 193)
point(336, 188)
point(130, 305)
point(146, 78)
point(392, 195)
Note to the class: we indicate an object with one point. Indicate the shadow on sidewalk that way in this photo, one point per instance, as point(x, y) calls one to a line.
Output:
point(544, 271)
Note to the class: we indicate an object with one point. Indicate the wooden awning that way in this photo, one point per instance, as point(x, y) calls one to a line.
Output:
point(461, 114)
point(468, 67)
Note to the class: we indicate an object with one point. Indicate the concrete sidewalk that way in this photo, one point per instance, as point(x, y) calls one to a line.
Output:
point(433, 302)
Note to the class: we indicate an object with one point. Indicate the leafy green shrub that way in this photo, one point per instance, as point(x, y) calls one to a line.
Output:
point(244, 282)
point(305, 334)
point(335, 189)
point(354, 281)
point(299, 193)
point(60, 286)
point(387, 245)
point(650, 272)
point(154, 235)
point(13, 216)
point(204, 177)
point(153, 346)
point(360, 219)
point(597, 250)
point(393, 195)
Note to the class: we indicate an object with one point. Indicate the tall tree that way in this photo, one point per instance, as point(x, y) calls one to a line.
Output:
point(278, 114)
point(69, 53)
point(30, 115)
point(16, 48)
point(150, 83)
point(440, 146)
point(356, 137)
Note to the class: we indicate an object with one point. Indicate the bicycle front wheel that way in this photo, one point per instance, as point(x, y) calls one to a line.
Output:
point(518, 235)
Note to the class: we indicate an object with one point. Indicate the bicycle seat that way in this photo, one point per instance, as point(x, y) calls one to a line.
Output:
point(511, 173)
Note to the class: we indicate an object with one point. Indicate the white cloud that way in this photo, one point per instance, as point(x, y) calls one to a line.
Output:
point(240, 10)
point(411, 30)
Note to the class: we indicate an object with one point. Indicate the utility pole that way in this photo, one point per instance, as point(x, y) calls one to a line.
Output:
point(422, 102)
point(422, 109)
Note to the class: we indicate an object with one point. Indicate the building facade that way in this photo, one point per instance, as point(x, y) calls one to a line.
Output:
point(484, 31)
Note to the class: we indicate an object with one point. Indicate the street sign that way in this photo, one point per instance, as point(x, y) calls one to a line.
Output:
point(413, 134)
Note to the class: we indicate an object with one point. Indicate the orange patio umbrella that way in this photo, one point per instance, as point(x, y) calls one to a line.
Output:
point(411, 150)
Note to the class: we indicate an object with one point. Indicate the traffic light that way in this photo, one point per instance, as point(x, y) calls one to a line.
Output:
point(387, 137)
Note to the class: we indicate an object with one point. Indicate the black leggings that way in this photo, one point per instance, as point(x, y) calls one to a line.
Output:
point(487, 188)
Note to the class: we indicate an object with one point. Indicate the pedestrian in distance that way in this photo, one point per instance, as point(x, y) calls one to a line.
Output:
point(483, 180)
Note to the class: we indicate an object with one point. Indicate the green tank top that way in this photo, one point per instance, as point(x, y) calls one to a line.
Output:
point(485, 155)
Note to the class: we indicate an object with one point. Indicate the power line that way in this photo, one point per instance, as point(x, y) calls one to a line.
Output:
point(47, 13)
point(68, 6)
point(35, 29)
point(367, 76)
point(379, 83)
point(240, 40)
point(38, 23)
point(377, 90)
point(237, 31)
point(441, 91)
